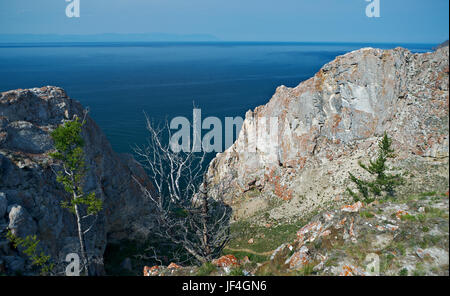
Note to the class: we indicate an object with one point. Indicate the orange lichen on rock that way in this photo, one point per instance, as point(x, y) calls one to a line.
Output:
point(352, 208)
point(347, 270)
point(173, 266)
point(328, 216)
point(380, 228)
point(336, 121)
point(399, 214)
point(313, 228)
point(350, 270)
point(282, 191)
point(151, 271)
point(392, 227)
point(226, 261)
point(299, 258)
point(351, 230)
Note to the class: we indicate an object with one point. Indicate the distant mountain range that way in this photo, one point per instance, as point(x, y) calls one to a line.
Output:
point(28, 38)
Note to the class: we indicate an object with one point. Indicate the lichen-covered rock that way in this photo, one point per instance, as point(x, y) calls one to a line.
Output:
point(331, 121)
point(171, 270)
point(226, 261)
point(339, 242)
point(151, 271)
point(28, 185)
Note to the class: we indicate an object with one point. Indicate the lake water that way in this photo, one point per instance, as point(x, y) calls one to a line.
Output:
point(118, 82)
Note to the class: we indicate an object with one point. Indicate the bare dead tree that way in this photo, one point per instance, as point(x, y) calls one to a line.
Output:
point(186, 216)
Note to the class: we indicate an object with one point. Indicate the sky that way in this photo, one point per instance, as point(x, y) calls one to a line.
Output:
point(408, 21)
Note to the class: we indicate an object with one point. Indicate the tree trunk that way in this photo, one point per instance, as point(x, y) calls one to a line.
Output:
point(196, 255)
point(205, 210)
point(84, 255)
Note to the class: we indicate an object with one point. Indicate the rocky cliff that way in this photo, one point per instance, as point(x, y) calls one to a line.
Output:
point(29, 195)
point(328, 123)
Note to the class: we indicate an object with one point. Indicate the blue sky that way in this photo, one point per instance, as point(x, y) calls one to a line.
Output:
point(411, 21)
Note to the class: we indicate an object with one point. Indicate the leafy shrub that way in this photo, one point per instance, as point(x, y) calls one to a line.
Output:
point(30, 244)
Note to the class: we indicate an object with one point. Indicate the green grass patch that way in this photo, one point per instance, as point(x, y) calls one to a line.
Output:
point(427, 194)
point(403, 272)
point(397, 247)
point(422, 218)
point(408, 217)
point(436, 213)
point(265, 238)
point(238, 271)
point(430, 240)
point(366, 214)
point(305, 270)
point(425, 228)
point(420, 270)
point(206, 269)
point(241, 254)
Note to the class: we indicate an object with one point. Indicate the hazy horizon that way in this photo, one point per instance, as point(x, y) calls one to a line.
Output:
point(162, 38)
point(400, 21)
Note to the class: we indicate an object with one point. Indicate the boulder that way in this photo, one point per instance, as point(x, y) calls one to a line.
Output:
point(21, 223)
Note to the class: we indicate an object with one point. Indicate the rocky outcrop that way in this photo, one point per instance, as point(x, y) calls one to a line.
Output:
point(403, 236)
point(329, 122)
point(30, 197)
point(396, 237)
point(443, 44)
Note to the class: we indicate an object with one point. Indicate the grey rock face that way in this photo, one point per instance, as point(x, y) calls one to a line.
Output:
point(26, 137)
point(3, 205)
point(33, 196)
point(330, 121)
point(20, 222)
point(14, 263)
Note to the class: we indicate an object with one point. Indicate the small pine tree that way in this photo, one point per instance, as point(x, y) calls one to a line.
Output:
point(69, 151)
point(30, 245)
point(383, 182)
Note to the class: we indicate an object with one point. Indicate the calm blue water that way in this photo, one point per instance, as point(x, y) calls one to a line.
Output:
point(120, 81)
